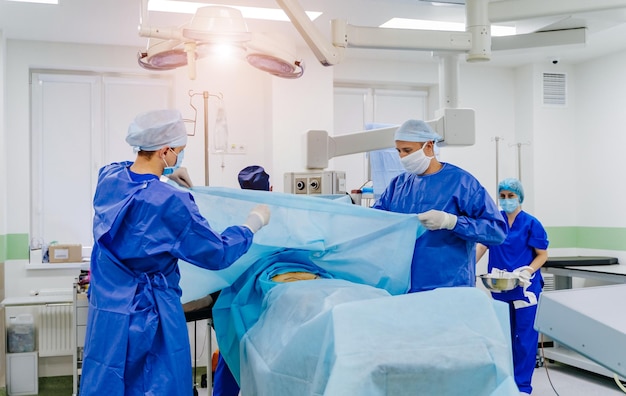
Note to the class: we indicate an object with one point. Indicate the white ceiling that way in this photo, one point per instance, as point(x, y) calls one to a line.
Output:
point(116, 22)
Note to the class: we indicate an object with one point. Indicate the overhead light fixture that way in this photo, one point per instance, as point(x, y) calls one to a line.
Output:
point(404, 23)
point(37, 1)
point(211, 28)
point(187, 7)
point(275, 55)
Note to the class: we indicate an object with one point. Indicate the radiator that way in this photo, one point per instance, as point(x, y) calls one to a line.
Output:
point(55, 330)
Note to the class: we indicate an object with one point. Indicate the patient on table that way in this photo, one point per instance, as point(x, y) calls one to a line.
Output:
point(352, 331)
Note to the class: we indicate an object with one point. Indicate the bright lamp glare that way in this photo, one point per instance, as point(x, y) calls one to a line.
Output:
point(403, 23)
point(185, 7)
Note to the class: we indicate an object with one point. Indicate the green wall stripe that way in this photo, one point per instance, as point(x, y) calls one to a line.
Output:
point(16, 247)
point(561, 237)
point(605, 238)
point(3, 248)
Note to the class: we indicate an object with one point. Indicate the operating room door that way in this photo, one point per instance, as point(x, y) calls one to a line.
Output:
point(78, 124)
point(356, 106)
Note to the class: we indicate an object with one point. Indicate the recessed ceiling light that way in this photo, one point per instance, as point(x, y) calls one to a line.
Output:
point(186, 7)
point(404, 23)
point(37, 1)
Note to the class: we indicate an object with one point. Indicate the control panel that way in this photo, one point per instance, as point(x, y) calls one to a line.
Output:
point(317, 182)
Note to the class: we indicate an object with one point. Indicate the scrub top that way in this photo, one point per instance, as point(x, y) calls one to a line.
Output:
point(518, 250)
point(445, 258)
point(137, 341)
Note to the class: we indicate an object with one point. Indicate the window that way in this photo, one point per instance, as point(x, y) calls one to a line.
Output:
point(78, 124)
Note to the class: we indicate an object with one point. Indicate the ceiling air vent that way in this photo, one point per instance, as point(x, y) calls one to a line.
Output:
point(554, 92)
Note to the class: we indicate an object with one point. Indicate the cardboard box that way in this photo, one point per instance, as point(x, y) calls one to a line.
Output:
point(65, 253)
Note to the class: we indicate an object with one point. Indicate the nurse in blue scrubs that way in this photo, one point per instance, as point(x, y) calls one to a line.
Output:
point(454, 207)
point(137, 341)
point(523, 252)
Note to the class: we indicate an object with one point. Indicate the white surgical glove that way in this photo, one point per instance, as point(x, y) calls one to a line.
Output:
point(437, 220)
point(524, 274)
point(181, 177)
point(258, 217)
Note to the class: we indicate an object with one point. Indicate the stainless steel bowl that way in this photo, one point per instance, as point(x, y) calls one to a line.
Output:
point(499, 282)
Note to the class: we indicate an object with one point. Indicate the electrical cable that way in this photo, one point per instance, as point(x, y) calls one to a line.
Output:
point(543, 357)
point(619, 383)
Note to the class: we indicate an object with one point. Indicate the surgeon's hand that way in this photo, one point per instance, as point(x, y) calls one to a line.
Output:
point(258, 217)
point(181, 177)
point(437, 220)
point(524, 274)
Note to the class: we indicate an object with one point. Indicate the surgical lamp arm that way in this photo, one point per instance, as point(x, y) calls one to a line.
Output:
point(456, 126)
point(324, 51)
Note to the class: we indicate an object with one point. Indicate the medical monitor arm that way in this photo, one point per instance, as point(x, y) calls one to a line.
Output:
point(456, 126)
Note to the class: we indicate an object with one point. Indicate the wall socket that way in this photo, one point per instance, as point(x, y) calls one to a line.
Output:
point(237, 148)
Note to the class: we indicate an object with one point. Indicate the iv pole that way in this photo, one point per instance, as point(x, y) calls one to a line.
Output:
point(205, 95)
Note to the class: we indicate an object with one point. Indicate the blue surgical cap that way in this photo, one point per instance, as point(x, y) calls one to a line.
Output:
point(513, 185)
point(156, 129)
point(254, 178)
point(416, 131)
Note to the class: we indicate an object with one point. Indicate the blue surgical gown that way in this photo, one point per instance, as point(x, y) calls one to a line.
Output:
point(445, 258)
point(137, 341)
point(518, 250)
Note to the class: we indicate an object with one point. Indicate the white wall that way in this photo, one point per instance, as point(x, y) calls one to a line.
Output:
point(600, 142)
point(572, 166)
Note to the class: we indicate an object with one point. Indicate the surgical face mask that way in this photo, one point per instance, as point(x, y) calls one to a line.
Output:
point(509, 205)
point(179, 160)
point(416, 162)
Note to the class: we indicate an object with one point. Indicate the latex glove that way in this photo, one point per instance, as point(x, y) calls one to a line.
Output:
point(181, 177)
point(437, 220)
point(258, 217)
point(524, 274)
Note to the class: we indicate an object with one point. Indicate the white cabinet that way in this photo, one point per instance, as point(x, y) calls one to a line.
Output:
point(22, 375)
point(81, 307)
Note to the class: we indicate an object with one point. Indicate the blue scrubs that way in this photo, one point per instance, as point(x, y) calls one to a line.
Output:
point(137, 341)
point(445, 258)
point(225, 383)
point(518, 250)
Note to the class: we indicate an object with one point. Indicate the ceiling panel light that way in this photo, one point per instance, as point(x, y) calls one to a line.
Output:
point(37, 1)
point(404, 23)
point(186, 7)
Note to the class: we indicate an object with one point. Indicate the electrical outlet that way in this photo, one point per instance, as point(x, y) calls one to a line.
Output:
point(236, 148)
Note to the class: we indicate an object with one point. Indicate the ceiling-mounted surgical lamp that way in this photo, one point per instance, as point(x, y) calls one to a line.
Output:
point(211, 27)
point(182, 46)
point(275, 55)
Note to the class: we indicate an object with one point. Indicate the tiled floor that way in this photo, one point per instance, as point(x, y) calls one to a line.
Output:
point(553, 379)
point(566, 380)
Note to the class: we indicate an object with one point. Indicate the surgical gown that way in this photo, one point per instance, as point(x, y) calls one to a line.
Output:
point(518, 250)
point(137, 341)
point(445, 258)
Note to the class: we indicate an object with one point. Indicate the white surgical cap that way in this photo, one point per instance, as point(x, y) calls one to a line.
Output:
point(416, 131)
point(153, 130)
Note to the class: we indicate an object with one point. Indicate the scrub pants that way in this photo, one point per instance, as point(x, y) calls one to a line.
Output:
point(224, 382)
point(524, 340)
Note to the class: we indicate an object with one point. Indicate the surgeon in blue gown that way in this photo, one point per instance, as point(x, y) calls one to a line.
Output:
point(137, 341)
point(454, 207)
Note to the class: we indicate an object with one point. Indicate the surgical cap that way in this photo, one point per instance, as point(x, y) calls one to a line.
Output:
point(153, 130)
point(416, 131)
point(514, 185)
point(254, 178)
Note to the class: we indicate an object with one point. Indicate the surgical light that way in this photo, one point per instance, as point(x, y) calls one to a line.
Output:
point(215, 30)
point(217, 24)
